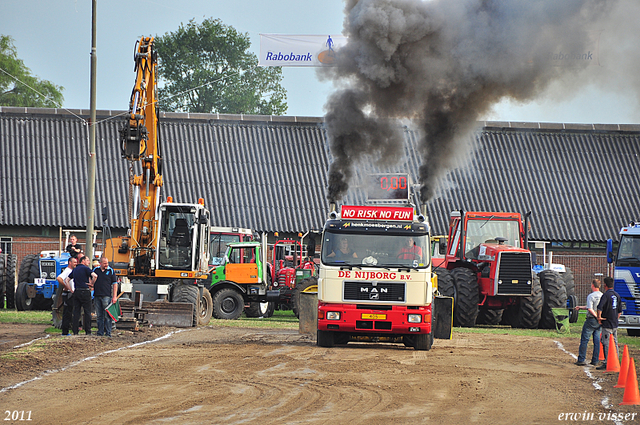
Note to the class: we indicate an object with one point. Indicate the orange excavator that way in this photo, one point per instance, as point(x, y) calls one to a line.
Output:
point(165, 254)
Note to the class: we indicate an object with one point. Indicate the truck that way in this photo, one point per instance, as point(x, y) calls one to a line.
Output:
point(488, 270)
point(247, 281)
point(165, 254)
point(375, 281)
point(626, 276)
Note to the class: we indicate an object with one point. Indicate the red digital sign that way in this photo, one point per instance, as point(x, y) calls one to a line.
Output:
point(384, 187)
point(357, 212)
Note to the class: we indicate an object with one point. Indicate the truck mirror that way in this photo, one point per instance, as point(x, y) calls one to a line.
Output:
point(610, 256)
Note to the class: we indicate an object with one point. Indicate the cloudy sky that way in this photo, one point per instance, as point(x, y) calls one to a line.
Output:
point(53, 38)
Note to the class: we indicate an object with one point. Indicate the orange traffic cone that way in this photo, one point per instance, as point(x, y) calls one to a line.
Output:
point(613, 364)
point(601, 356)
point(624, 368)
point(631, 393)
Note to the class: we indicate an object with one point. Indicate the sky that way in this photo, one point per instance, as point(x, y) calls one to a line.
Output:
point(53, 38)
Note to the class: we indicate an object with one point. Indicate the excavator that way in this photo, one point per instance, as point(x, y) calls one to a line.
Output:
point(165, 254)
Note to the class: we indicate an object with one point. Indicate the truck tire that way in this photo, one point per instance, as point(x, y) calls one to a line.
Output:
point(206, 308)
point(228, 304)
point(527, 314)
point(23, 302)
point(466, 297)
point(187, 293)
point(489, 317)
point(10, 281)
point(423, 342)
point(325, 339)
point(569, 282)
point(554, 296)
point(258, 309)
point(295, 297)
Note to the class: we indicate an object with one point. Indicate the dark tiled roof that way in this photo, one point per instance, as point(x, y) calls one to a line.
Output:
point(269, 173)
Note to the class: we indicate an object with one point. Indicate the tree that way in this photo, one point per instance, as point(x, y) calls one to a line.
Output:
point(212, 58)
point(18, 87)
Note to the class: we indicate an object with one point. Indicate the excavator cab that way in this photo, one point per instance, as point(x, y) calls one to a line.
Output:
point(183, 237)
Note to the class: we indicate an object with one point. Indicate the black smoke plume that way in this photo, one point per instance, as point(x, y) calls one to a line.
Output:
point(442, 64)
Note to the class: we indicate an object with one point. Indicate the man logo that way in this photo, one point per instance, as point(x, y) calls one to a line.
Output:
point(374, 296)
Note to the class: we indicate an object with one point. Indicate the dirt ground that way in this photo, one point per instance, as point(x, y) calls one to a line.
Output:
point(229, 375)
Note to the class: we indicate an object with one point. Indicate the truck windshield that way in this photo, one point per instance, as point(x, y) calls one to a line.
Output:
point(629, 251)
point(375, 250)
point(218, 247)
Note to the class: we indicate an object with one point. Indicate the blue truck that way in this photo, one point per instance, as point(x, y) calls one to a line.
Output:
point(627, 276)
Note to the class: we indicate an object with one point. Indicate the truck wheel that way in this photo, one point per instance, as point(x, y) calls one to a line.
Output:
point(423, 342)
point(489, 317)
point(10, 280)
point(325, 339)
point(295, 297)
point(227, 304)
point(258, 309)
point(554, 296)
point(186, 293)
point(23, 302)
point(466, 299)
point(206, 307)
point(527, 314)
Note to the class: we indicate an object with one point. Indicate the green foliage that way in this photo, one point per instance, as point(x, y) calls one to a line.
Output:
point(214, 58)
point(29, 91)
point(31, 317)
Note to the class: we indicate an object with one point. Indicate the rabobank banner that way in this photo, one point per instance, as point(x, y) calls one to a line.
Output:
point(299, 50)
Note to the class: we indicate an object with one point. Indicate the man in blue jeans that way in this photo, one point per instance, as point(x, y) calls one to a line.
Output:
point(591, 326)
point(609, 311)
point(105, 291)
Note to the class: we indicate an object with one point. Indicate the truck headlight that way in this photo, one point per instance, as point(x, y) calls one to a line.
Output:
point(415, 318)
point(333, 315)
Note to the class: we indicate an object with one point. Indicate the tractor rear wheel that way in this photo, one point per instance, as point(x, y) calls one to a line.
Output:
point(569, 282)
point(301, 286)
point(187, 293)
point(466, 297)
point(10, 280)
point(2, 279)
point(228, 304)
point(555, 296)
point(445, 282)
point(527, 314)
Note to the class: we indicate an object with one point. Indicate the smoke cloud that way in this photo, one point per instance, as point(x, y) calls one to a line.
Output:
point(443, 64)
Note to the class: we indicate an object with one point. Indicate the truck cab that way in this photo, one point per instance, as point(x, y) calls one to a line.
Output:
point(627, 276)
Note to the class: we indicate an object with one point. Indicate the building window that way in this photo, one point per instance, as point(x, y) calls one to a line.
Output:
point(5, 245)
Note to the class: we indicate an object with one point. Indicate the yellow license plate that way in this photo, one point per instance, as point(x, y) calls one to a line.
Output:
point(374, 316)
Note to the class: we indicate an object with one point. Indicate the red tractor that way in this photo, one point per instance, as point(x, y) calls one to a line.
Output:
point(291, 271)
point(488, 271)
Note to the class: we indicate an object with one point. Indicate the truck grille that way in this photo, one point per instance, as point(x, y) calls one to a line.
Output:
point(514, 273)
point(48, 267)
point(374, 291)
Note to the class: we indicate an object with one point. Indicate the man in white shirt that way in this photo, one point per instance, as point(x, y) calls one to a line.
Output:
point(67, 295)
point(591, 326)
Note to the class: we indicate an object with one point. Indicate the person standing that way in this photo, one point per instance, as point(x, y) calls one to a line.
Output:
point(73, 248)
point(67, 294)
point(608, 314)
point(591, 326)
point(83, 279)
point(105, 292)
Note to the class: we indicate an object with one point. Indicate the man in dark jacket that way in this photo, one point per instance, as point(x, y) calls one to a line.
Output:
point(609, 310)
point(83, 279)
point(105, 292)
